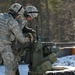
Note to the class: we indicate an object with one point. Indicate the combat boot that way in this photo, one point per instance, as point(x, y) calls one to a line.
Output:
point(17, 72)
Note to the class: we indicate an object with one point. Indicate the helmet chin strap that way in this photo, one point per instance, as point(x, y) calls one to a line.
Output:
point(19, 10)
point(33, 12)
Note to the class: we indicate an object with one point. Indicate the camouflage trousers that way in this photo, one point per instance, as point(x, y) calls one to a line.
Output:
point(8, 59)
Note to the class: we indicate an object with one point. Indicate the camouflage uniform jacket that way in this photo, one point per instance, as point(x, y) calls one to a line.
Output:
point(9, 25)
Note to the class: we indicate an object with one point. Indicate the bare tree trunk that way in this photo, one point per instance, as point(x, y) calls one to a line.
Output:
point(47, 19)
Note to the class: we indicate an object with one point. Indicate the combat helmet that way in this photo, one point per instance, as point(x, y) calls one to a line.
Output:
point(16, 9)
point(31, 11)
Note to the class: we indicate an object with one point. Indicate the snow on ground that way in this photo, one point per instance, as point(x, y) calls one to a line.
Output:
point(65, 61)
point(22, 68)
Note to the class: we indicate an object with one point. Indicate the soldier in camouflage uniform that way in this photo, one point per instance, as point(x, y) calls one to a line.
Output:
point(8, 26)
point(30, 13)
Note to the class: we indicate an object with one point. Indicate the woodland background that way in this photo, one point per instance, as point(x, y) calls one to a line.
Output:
point(56, 20)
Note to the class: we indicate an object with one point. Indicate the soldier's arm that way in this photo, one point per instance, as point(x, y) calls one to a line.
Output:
point(28, 30)
point(14, 27)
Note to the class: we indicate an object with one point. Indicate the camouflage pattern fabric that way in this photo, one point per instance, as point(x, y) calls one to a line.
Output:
point(9, 25)
point(22, 21)
point(8, 59)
